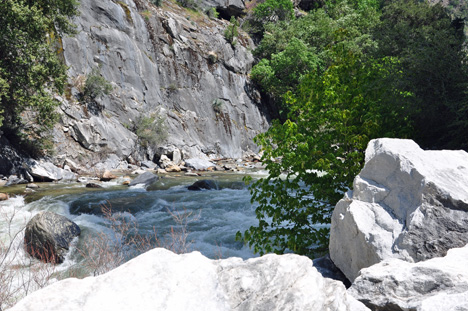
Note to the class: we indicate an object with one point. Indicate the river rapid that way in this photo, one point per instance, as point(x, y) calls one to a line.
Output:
point(211, 217)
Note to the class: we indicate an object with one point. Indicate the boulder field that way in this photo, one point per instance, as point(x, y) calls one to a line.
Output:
point(399, 236)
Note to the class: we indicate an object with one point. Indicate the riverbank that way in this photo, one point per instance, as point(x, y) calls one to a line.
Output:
point(33, 189)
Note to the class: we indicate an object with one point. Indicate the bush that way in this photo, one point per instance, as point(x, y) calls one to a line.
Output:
point(231, 31)
point(151, 130)
point(275, 10)
point(217, 105)
point(20, 274)
point(212, 13)
point(96, 85)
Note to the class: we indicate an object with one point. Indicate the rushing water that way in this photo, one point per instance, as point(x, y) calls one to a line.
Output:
point(214, 215)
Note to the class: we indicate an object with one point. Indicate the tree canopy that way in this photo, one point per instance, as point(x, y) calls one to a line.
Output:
point(30, 66)
point(343, 74)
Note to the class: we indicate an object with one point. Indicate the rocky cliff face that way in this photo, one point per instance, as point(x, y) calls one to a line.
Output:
point(164, 62)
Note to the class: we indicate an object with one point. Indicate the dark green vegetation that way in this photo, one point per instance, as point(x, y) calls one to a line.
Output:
point(341, 75)
point(30, 66)
point(96, 86)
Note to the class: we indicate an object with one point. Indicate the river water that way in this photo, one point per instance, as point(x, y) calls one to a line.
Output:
point(212, 216)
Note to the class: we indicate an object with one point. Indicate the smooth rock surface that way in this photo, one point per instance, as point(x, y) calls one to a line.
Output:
point(162, 280)
point(199, 164)
point(146, 179)
point(149, 164)
point(14, 180)
point(438, 284)
point(46, 171)
point(406, 203)
point(48, 236)
point(107, 176)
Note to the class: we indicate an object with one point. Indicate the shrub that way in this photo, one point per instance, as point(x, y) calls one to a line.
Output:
point(274, 10)
point(212, 57)
point(231, 31)
point(96, 85)
point(217, 105)
point(151, 130)
point(190, 4)
point(212, 13)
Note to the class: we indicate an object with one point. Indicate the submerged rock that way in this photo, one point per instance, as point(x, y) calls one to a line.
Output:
point(93, 185)
point(436, 284)
point(206, 184)
point(162, 280)
point(48, 236)
point(406, 203)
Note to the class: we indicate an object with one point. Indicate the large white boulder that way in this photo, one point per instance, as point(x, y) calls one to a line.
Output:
point(433, 285)
point(46, 171)
point(406, 203)
point(198, 164)
point(162, 280)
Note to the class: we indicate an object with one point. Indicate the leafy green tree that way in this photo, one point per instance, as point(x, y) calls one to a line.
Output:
point(319, 29)
point(30, 66)
point(320, 150)
point(285, 69)
point(289, 51)
point(274, 10)
point(430, 47)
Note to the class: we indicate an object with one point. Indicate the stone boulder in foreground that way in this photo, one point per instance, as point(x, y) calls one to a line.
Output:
point(438, 284)
point(48, 236)
point(406, 203)
point(162, 280)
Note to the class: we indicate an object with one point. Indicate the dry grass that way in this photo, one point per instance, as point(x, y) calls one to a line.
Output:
point(79, 82)
point(106, 251)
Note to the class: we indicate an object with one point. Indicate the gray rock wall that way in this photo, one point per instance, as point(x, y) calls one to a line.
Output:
point(166, 61)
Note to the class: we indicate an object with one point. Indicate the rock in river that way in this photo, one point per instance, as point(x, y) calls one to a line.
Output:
point(48, 236)
point(206, 184)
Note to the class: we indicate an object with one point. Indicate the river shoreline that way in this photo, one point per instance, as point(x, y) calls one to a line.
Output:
point(223, 168)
